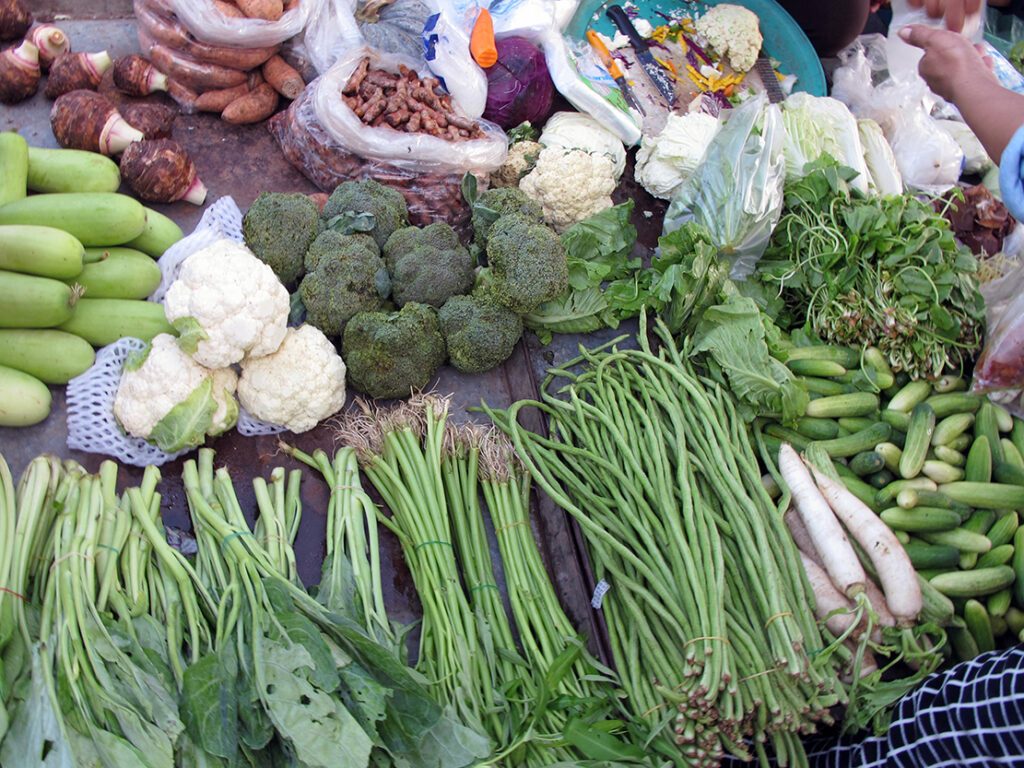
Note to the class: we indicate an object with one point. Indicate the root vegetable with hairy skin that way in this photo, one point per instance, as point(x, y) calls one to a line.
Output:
point(135, 76)
point(51, 42)
point(162, 172)
point(156, 121)
point(253, 107)
point(76, 71)
point(88, 120)
point(15, 19)
point(19, 73)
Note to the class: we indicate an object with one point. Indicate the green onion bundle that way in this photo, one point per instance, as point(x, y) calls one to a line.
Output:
point(708, 612)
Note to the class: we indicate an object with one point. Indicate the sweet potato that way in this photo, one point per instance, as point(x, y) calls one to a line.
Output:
point(253, 107)
point(184, 96)
point(194, 74)
point(228, 9)
point(285, 79)
point(267, 10)
point(216, 101)
point(173, 35)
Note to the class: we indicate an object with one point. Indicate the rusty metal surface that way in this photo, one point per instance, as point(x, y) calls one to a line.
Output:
point(241, 161)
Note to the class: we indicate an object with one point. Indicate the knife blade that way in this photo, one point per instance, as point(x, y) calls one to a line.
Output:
point(654, 70)
point(764, 69)
point(614, 70)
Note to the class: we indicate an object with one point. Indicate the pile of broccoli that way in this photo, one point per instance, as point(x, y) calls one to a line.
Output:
point(404, 299)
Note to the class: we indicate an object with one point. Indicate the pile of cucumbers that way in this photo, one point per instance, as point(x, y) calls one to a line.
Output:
point(942, 467)
point(76, 264)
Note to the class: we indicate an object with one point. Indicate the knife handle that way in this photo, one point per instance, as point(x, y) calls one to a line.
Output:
point(622, 21)
point(602, 53)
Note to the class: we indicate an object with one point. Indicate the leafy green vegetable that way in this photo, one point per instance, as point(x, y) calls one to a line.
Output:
point(186, 424)
point(210, 703)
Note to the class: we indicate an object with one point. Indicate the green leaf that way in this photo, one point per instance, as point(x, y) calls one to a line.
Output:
point(364, 697)
point(602, 243)
point(135, 360)
point(304, 632)
point(596, 744)
point(190, 333)
point(352, 222)
point(573, 312)
point(522, 132)
point(470, 187)
point(185, 425)
point(210, 703)
point(296, 310)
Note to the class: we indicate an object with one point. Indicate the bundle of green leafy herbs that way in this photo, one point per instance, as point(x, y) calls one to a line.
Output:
point(878, 271)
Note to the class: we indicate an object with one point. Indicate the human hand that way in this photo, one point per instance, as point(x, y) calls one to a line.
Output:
point(954, 11)
point(950, 63)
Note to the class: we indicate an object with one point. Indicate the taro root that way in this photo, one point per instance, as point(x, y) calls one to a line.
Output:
point(19, 73)
point(88, 120)
point(51, 42)
point(135, 76)
point(75, 71)
point(154, 120)
point(15, 19)
point(161, 172)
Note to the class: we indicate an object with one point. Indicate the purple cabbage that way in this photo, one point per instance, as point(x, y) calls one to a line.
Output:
point(518, 86)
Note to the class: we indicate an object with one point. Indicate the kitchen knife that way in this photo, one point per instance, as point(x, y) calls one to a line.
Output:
point(613, 69)
point(661, 79)
point(764, 69)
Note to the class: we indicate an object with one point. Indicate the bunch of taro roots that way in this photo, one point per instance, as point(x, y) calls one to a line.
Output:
point(406, 102)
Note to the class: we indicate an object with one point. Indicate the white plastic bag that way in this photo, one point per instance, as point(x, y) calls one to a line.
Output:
point(446, 52)
point(331, 31)
point(411, 151)
point(903, 57)
point(208, 24)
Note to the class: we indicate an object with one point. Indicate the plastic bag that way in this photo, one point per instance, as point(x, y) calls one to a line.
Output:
point(737, 192)
point(903, 57)
point(208, 24)
point(1001, 363)
point(929, 159)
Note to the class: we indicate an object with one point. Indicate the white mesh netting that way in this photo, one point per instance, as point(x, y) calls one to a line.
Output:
point(90, 397)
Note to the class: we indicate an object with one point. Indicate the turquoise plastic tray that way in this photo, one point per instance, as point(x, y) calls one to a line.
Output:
point(783, 38)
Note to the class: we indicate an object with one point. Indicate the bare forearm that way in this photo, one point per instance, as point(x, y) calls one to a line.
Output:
point(992, 112)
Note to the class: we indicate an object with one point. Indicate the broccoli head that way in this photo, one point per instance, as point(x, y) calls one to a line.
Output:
point(278, 228)
point(385, 204)
point(347, 277)
point(527, 263)
point(495, 203)
point(479, 332)
point(427, 265)
point(390, 354)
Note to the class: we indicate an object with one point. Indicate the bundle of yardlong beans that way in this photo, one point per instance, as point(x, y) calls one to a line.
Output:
point(709, 610)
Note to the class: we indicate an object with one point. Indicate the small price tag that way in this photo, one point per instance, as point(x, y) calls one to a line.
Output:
point(599, 592)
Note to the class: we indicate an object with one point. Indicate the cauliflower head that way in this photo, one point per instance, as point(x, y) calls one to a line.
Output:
point(570, 185)
point(666, 160)
point(732, 31)
point(167, 398)
point(227, 304)
point(520, 161)
point(299, 385)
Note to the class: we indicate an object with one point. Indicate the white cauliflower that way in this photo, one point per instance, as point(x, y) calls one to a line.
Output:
point(299, 385)
point(570, 185)
point(732, 31)
point(521, 157)
point(167, 398)
point(578, 130)
point(665, 161)
point(227, 304)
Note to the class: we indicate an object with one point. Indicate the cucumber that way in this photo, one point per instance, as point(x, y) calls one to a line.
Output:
point(856, 486)
point(978, 624)
point(817, 429)
point(980, 521)
point(986, 495)
point(887, 495)
point(118, 273)
point(968, 560)
point(941, 472)
point(798, 441)
point(961, 538)
point(855, 423)
point(43, 251)
point(873, 356)
point(949, 456)
point(71, 170)
point(1004, 472)
point(851, 445)
point(999, 625)
point(901, 536)
point(28, 301)
point(985, 426)
point(1010, 453)
point(976, 583)
point(913, 393)
point(964, 645)
point(852, 404)
point(954, 402)
point(978, 468)
point(1018, 566)
point(1015, 617)
point(919, 437)
point(95, 218)
point(949, 384)
point(104, 321)
point(158, 234)
point(845, 356)
point(866, 463)
point(920, 519)
point(825, 387)
point(1004, 419)
point(13, 167)
point(951, 427)
point(890, 453)
point(54, 357)
point(896, 419)
point(1001, 555)
point(936, 607)
point(819, 368)
point(929, 556)
point(880, 479)
point(24, 399)
point(909, 498)
point(1003, 529)
point(961, 443)
point(1017, 435)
